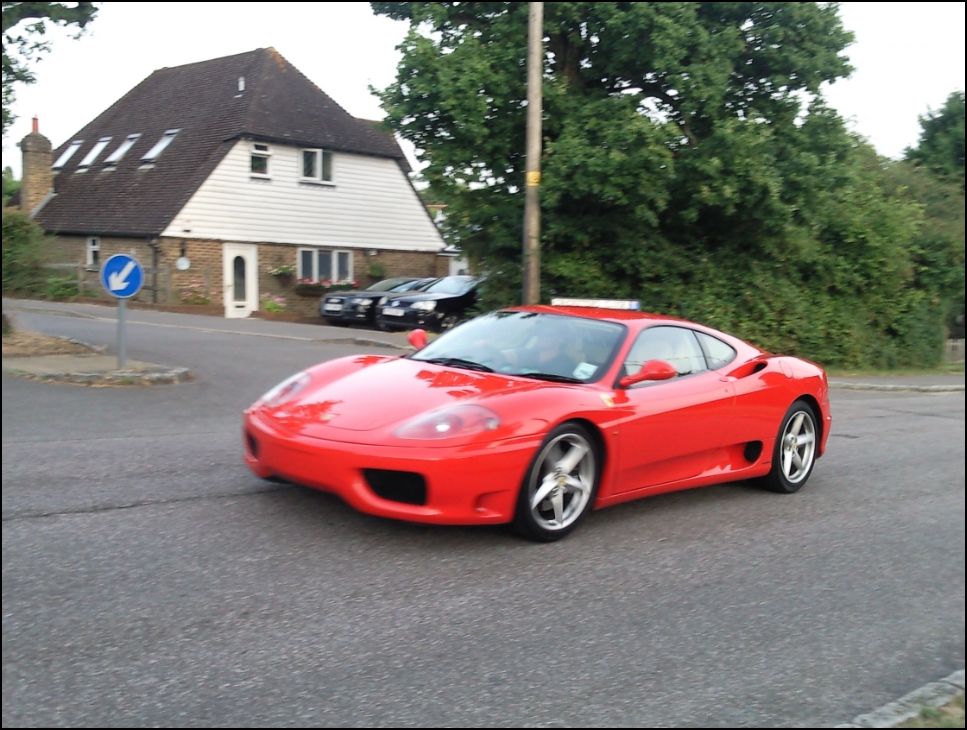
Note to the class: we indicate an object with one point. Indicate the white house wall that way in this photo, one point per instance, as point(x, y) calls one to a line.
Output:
point(369, 205)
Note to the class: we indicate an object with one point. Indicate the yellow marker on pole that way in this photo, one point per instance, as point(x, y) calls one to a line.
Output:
point(533, 178)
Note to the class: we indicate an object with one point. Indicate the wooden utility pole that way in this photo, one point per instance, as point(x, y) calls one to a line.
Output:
point(532, 204)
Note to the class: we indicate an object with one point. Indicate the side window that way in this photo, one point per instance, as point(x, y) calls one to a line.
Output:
point(674, 345)
point(259, 160)
point(94, 253)
point(719, 354)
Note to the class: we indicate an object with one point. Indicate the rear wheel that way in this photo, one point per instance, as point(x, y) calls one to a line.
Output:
point(560, 485)
point(794, 454)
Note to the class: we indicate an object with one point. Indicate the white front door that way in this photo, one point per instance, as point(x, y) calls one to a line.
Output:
point(241, 276)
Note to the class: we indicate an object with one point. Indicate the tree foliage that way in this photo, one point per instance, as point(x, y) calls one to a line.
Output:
point(934, 176)
point(23, 254)
point(688, 161)
point(25, 26)
point(941, 145)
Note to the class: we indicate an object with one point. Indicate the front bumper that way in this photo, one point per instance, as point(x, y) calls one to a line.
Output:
point(410, 319)
point(465, 485)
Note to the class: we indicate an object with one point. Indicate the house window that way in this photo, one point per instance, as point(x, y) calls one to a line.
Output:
point(93, 253)
point(317, 165)
point(92, 155)
point(68, 153)
point(260, 160)
point(115, 157)
point(318, 264)
point(167, 138)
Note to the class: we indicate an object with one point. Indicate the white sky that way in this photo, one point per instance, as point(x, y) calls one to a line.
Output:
point(908, 58)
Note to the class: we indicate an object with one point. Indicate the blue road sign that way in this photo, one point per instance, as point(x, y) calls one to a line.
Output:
point(122, 276)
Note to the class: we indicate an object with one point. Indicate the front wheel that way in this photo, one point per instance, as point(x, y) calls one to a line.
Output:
point(449, 321)
point(560, 485)
point(795, 452)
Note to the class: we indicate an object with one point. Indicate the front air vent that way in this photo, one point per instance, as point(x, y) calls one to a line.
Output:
point(252, 444)
point(397, 486)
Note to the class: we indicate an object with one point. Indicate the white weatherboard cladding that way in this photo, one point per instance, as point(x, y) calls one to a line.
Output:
point(369, 205)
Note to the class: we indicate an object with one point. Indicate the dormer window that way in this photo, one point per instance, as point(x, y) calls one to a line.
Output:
point(95, 151)
point(160, 146)
point(259, 165)
point(68, 153)
point(116, 156)
point(317, 166)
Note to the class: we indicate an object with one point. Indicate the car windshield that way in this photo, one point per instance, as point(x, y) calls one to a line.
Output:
point(415, 285)
point(452, 285)
point(390, 284)
point(553, 347)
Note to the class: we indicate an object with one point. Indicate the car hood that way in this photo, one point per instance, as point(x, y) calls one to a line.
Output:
point(385, 392)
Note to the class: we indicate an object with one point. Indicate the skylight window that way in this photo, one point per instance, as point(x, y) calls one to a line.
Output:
point(68, 153)
point(95, 151)
point(160, 146)
point(121, 151)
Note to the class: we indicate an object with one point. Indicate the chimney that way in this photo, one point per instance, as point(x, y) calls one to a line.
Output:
point(38, 177)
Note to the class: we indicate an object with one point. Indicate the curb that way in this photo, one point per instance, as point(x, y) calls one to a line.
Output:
point(909, 706)
point(113, 377)
point(365, 341)
point(159, 375)
point(840, 385)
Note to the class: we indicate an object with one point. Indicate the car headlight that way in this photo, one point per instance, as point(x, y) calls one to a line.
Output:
point(284, 391)
point(382, 301)
point(448, 422)
point(424, 306)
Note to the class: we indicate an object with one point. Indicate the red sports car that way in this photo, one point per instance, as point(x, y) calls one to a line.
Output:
point(535, 415)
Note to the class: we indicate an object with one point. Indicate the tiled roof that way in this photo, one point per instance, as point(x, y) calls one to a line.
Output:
point(203, 101)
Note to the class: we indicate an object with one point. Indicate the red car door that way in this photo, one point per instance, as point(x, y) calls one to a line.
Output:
point(675, 429)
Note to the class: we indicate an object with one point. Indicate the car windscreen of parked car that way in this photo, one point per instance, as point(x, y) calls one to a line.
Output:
point(399, 283)
point(455, 285)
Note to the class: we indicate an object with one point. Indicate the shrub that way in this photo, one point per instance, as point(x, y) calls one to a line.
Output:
point(60, 287)
point(23, 255)
point(273, 303)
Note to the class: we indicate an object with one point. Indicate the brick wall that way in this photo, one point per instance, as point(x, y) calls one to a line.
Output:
point(202, 283)
point(392, 263)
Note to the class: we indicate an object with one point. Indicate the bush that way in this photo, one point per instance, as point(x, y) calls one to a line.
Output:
point(60, 287)
point(273, 303)
point(23, 255)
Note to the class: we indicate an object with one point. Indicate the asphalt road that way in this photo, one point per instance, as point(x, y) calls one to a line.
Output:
point(150, 579)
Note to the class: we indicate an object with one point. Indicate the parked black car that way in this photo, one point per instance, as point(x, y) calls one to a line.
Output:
point(439, 307)
point(347, 307)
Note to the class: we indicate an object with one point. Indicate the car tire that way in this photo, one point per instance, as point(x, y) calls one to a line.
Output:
point(449, 321)
point(560, 485)
point(794, 454)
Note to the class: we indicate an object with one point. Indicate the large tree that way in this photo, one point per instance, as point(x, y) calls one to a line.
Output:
point(689, 161)
point(941, 145)
point(25, 26)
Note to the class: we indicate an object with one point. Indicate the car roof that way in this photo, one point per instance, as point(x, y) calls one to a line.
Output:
point(613, 315)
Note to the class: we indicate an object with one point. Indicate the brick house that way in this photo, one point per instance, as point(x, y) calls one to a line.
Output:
point(222, 176)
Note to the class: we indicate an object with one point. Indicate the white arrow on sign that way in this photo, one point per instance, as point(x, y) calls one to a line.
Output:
point(119, 279)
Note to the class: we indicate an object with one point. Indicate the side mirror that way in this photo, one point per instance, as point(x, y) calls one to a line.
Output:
point(417, 338)
point(651, 370)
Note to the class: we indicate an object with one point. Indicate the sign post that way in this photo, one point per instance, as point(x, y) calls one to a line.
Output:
point(122, 276)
